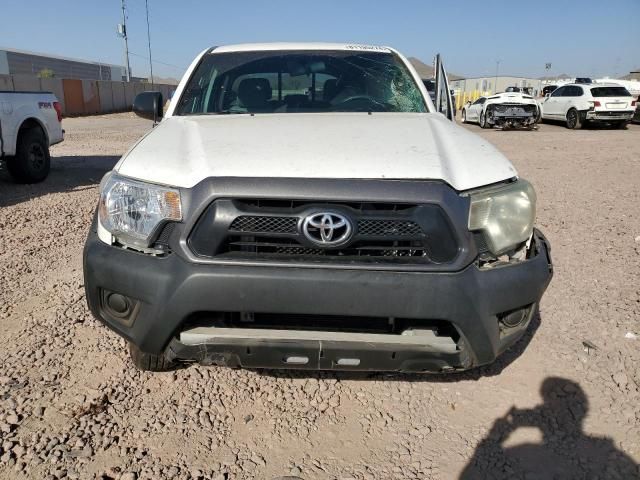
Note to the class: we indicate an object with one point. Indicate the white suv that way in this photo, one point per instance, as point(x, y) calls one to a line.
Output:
point(596, 102)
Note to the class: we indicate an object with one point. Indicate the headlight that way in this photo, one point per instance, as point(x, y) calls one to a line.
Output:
point(131, 210)
point(505, 214)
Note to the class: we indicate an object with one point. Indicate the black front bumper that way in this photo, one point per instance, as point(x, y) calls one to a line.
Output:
point(168, 290)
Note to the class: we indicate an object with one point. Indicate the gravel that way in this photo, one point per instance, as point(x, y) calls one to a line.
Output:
point(72, 406)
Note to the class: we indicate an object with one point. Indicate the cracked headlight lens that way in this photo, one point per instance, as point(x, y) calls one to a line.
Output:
point(131, 210)
point(504, 214)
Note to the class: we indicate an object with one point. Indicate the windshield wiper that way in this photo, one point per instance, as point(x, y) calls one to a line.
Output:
point(221, 112)
point(227, 112)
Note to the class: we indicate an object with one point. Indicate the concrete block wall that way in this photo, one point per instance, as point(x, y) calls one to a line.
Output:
point(119, 99)
point(129, 94)
point(105, 93)
point(26, 83)
point(53, 85)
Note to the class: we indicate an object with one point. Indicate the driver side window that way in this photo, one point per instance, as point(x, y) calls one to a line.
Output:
point(558, 92)
point(480, 101)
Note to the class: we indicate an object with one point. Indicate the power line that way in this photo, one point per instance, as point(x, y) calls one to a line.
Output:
point(158, 61)
point(122, 30)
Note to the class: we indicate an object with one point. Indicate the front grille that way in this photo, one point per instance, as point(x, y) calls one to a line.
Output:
point(276, 225)
point(255, 224)
point(256, 229)
point(388, 228)
point(266, 246)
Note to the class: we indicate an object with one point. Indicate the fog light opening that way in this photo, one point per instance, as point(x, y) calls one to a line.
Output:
point(118, 304)
point(514, 318)
point(119, 307)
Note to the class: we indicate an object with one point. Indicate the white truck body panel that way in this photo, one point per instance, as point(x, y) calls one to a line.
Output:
point(17, 107)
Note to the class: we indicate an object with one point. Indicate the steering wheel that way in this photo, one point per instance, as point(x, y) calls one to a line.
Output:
point(360, 103)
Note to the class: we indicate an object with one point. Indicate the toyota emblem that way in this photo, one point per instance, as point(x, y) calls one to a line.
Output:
point(327, 229)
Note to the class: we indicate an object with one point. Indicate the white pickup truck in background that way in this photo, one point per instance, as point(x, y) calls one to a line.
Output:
point(30, 122)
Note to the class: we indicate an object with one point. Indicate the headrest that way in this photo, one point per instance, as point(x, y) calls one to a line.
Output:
point(254, 91)
point(330, 89)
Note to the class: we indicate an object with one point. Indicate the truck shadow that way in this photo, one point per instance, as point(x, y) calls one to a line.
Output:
point(68, 173)
point(502, 362)
point(565, 450)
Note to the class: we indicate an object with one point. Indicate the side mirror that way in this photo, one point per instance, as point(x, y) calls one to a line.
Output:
point(148, 105)
point(547, 95)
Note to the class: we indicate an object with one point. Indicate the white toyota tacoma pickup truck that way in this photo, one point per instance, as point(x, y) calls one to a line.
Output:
point(30, 122)
point(308, 206)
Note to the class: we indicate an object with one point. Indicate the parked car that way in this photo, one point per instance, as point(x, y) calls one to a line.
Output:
point(547, 89)
point(636, 116)
point(577, 104)
point(354, 229)
point(509, 109)
point(30, 122)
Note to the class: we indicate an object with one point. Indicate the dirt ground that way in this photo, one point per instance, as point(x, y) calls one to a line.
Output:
point(72, 406)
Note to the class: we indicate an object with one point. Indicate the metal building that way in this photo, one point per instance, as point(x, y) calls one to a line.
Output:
point(20, 62)
point(472, 88)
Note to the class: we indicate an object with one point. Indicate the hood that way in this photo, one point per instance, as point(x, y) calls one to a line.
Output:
point(183, 150)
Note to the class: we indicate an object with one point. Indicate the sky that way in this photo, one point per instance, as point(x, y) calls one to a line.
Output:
point(578, 37)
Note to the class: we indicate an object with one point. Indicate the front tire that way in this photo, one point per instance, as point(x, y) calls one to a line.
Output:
point(464, 116)
point(32, 161)
point(149, 362)
point(574, 121)
point(622, 125)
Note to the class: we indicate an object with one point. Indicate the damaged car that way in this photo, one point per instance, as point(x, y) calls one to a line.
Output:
point(503, 110)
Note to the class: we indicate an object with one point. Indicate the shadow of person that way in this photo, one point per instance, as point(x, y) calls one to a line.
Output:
point(566, 452)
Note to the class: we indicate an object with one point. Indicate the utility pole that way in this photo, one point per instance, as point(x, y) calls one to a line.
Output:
point(122, 31)
point(146, 2)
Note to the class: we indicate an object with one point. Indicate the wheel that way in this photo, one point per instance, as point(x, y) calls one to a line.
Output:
point(622, 125)
point(464, 116)
point(574, 121)
point(150, 362)
point(32, 161)
point(483, 120)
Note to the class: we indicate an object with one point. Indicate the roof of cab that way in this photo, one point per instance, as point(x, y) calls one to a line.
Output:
point(252, 47)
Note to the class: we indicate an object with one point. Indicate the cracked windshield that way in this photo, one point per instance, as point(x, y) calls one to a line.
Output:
point(298, 81)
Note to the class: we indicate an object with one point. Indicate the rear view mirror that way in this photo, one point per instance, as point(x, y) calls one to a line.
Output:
point(317, 67)
point(148, 105)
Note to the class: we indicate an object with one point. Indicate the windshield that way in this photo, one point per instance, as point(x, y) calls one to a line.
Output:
point(300, 81)
point(610, 92)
